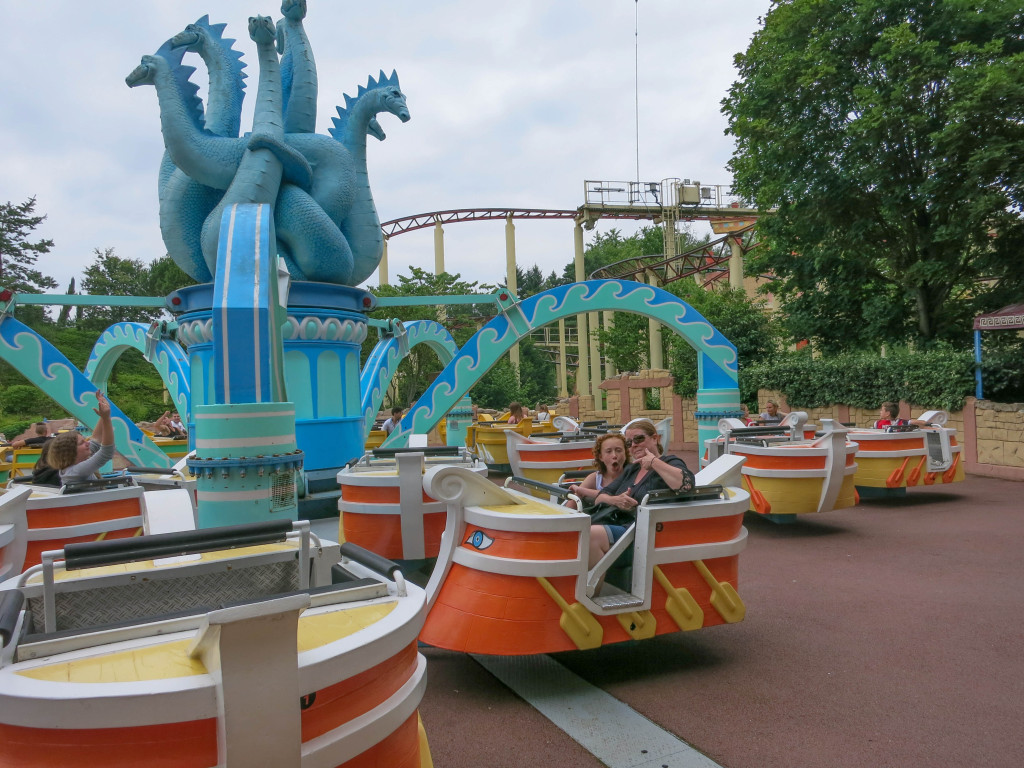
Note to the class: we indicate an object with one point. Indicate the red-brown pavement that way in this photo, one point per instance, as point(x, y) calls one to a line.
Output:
point(889, 634)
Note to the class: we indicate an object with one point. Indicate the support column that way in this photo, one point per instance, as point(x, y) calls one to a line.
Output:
point(735, 263)
point(438, 248)
point(442, 313)
point(563, 368)
point(382, 268)
point(654, 331)
point(583, 338)
point(609, 324)
point(596, 376)
point(511, 281)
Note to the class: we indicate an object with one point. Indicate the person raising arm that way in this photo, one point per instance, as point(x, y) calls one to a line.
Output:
point(79, 459)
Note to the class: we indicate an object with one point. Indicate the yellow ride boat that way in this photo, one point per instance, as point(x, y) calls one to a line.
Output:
point(786, 473)
point(895, 458)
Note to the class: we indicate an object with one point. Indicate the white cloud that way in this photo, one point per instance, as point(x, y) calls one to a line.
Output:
point(514, 106)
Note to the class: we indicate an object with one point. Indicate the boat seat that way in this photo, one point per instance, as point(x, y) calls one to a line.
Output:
point(38, 644)
point(183, 581)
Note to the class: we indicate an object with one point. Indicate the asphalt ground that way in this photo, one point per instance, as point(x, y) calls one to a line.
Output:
point(889, 634)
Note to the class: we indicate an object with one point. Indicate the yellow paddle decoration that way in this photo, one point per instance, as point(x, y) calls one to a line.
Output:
point(576, 621)
point(639, 625)
point(681, 605)
point(723, 595)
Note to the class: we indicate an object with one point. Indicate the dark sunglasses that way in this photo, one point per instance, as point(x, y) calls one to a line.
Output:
point(637, 439)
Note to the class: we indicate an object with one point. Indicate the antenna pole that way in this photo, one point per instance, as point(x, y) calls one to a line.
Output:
point(636, 81)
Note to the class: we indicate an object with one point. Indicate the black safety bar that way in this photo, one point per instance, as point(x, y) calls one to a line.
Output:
point(390, 453)
point(700, 493)
point(371, 560)
point(99, 484)
point(115, 551)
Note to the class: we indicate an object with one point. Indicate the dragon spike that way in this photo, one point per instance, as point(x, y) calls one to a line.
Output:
point(227, 44)
point(182, 78)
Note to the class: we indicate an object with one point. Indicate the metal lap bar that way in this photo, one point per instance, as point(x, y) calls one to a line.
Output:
point(595, 574)
point(554, 490)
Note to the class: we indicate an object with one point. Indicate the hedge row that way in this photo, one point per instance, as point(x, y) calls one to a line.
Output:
point(933, 379)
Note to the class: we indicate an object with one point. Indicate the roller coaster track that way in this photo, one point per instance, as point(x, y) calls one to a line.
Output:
point(710, 261)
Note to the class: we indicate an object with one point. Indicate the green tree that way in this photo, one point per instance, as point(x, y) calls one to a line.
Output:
point(756, 335)
point(110, 275)
point(418, 370)
point(18, 255)
point(888, 136)
point(166, 276)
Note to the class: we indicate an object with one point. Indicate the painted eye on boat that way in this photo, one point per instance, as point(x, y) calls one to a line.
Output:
point(480, 540)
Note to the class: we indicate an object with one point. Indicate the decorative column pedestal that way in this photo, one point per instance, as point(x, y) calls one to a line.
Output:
point(323, 334)
point(233, 485)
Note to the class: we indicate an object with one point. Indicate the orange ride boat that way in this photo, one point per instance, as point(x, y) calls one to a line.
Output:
point(513, 578)
point(383, 506)
point(116, 652)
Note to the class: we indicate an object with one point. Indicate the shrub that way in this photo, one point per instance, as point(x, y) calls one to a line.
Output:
point(939, 378)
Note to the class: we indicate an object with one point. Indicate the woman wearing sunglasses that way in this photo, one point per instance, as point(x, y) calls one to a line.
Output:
point(650, 470)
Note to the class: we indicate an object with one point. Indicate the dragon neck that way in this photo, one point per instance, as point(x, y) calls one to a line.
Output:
point(360, 114)
point(299, 79)
point(268, 116)
point(174, 121)
point(224, 104)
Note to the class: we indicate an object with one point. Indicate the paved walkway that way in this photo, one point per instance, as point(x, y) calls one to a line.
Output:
point(890, 634)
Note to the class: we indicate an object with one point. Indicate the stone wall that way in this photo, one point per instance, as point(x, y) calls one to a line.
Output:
point(625, 399)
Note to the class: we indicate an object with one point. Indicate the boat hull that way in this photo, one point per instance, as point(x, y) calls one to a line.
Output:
point(789, 478)
point(890, 461)
point(384, 508)
point(518, 580)
point(302, 678)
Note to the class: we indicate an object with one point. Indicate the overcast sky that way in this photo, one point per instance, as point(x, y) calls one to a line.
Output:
point(511, 107)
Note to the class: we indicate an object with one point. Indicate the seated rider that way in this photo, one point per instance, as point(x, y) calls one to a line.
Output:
point(771, 415)
point(889, 416)
point(650, 470)
point(396, 416)
point(515, 412)
point(610, 459)
point(79, 459)
point(39, 437)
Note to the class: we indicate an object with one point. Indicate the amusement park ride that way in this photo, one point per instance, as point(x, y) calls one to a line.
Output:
point(228, 633)
point(206, 619)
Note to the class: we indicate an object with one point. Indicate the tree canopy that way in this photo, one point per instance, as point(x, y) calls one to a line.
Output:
point(889, 138)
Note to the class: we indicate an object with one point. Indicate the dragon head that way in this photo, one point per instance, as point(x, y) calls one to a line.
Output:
point(262, 30)
point(391, 97)
point(384, 95)
point(294, 10)
point(190, 37)
point(145, 73)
